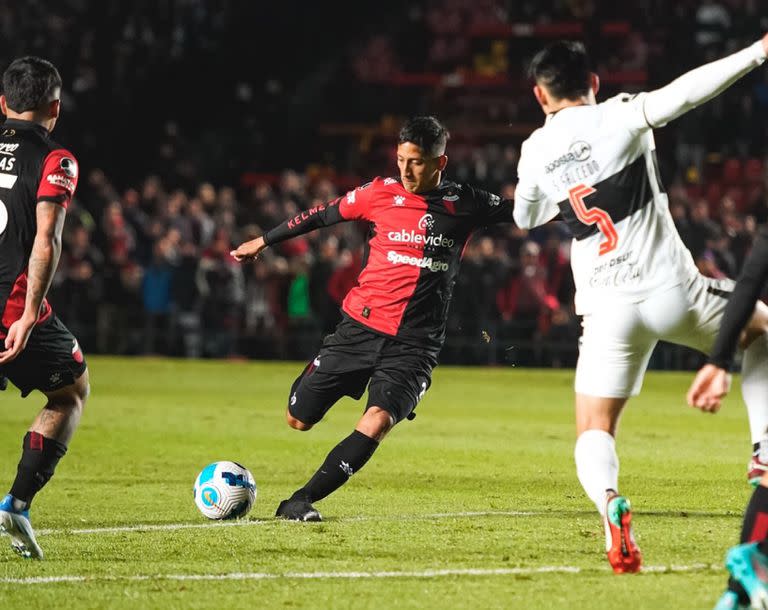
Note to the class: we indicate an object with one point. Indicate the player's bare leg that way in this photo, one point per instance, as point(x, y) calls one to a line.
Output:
point(61, 415)
point(295, 423)
point(44, 445)
point(344, 460)
point(597, 466)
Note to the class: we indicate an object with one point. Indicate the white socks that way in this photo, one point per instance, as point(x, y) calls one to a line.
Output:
point(597, 465)
point(754, 386)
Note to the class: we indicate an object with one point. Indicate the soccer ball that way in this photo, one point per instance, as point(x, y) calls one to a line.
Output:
point(224, 490)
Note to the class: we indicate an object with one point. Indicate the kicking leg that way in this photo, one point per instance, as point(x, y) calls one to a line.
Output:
point(44, 445)
point(313, 393)
point(344, 460)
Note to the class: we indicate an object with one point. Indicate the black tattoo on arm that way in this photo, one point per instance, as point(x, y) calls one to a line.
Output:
point(45, 255)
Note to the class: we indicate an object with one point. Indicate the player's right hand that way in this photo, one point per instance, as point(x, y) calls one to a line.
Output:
point(249, 250)
point(708, 388)
point(16, 341)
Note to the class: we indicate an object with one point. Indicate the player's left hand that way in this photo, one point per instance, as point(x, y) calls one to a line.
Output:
point(708, 388)
point(249, 250)
point(16, 341)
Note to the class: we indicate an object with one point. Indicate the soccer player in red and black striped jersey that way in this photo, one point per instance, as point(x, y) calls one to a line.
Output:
point(394, 319)
point(37, 181)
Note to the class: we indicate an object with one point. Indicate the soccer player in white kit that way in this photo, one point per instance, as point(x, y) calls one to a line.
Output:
point(636, 283)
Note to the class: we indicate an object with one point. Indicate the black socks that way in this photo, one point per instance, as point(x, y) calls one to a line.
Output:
point(39, 457)
point(345, 459)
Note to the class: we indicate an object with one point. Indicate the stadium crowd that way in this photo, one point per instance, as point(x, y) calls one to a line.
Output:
point(146, 266)
point(151, 267)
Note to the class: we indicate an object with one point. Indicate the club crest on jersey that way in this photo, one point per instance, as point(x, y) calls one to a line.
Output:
point(69, 166)
point(426, 222)
point(351, 197)
point(399, 200)
point(494, 200)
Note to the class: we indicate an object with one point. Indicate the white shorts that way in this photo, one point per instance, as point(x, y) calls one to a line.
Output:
point(618, 338)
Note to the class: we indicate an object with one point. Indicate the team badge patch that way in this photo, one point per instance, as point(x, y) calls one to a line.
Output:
point(69, 166)
point(426, 222)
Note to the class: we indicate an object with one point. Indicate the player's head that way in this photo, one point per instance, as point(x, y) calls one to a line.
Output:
point(421, 153)
point(562, 76)
point(31, 91)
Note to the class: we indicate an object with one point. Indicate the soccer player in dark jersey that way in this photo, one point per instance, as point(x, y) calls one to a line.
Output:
point(394, 319)
point(747, 562)
point(37, 180)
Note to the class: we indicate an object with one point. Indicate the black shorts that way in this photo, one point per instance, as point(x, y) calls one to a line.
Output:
point(353, 357)
point(51, 360)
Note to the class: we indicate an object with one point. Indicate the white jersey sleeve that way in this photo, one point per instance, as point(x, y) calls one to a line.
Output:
point(700, 85)
point(532, 206)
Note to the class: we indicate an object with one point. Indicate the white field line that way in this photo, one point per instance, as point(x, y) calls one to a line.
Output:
point(213, 524)
point(39, 580)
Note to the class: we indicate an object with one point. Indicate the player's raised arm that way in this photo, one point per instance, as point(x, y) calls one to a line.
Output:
point(702, 84)
point(352, 206)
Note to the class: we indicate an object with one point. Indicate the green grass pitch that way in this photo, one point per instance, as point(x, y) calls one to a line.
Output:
point(475, 504)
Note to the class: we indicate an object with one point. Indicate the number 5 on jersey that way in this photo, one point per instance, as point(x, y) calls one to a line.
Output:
point(593, 216)
point(6, 182)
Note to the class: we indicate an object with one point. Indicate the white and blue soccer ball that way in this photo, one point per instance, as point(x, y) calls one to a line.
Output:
point(225, 490)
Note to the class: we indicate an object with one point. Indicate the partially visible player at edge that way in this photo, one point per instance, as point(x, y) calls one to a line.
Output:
point(636, 283)
point(37, 181)
point(747, 584)
point(394, 319)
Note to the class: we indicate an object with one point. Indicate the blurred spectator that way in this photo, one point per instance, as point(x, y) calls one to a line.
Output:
point(79, 286)
point(325, 308)
point(712, 23)
point(525, 304)
point(221, 285)
point(156, 291)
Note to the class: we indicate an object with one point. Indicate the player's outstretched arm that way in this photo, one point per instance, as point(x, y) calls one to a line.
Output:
point(323, 215)
point(702, 84)
point(42, 265)
point(249, 250)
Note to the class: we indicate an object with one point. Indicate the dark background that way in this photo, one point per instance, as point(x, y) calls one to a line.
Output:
point(199, 124)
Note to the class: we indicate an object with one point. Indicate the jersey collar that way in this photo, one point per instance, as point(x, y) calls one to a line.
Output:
point(19, 124)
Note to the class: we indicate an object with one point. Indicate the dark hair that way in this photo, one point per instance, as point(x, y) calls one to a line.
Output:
point(29, 82)
point(563, 68)
point(427, 133)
